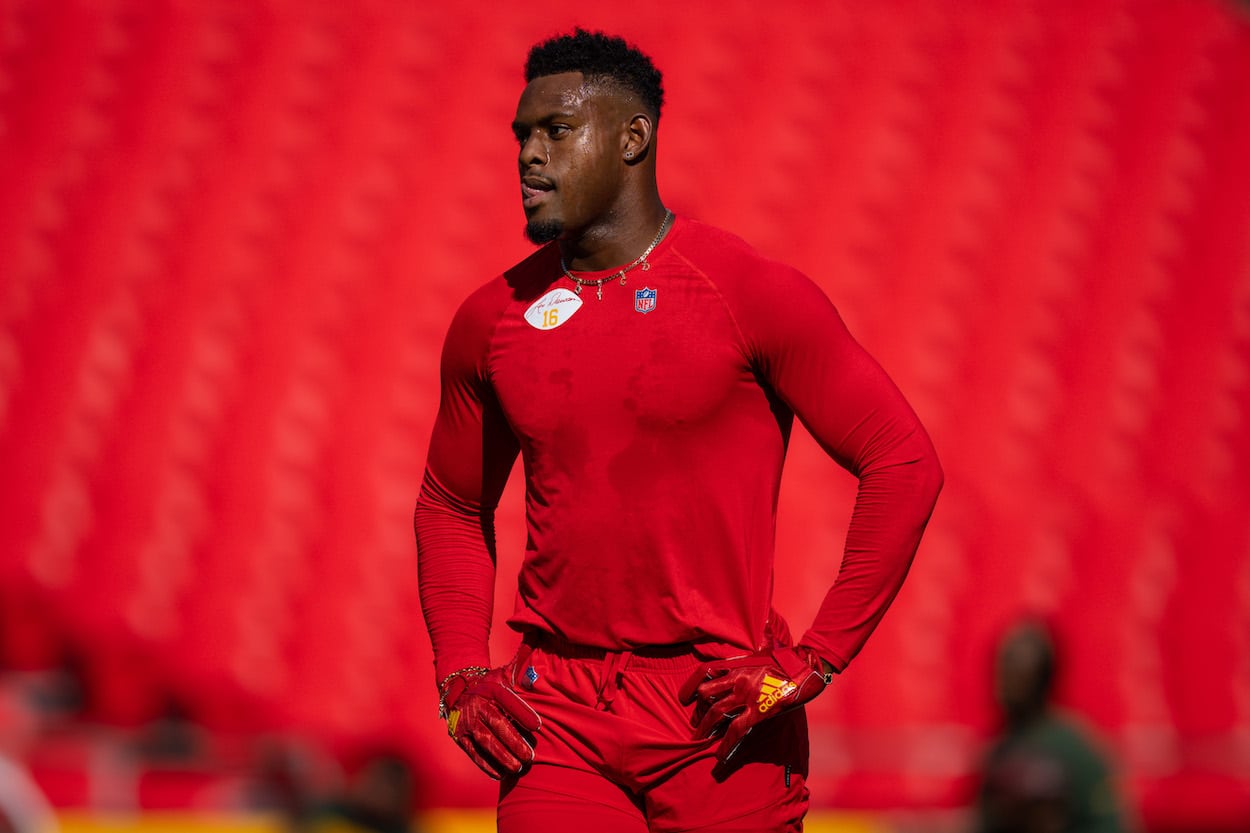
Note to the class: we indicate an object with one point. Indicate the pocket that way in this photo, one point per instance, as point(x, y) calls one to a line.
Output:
point(521, 671)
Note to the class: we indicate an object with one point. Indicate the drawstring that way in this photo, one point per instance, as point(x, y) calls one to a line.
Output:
point(613, 670)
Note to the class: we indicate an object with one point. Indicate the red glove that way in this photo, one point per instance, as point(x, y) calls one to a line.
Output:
point(737, 694)
point(488, 720)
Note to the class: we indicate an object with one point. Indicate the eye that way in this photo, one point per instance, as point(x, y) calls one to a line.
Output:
point(558, 131)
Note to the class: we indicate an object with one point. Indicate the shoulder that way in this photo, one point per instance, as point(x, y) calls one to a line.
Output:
point(737, 269)
point(522, 283)
point(716, 249)
point(474, 322)
point(1067, 739)
point(773, 304)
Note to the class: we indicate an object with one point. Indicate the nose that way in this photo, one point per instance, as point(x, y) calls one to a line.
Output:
point(533, 152)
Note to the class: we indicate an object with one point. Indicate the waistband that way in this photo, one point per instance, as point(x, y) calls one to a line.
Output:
point(680, 655)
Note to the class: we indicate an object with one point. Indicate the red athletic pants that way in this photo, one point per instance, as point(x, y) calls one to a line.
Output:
point(616, 752)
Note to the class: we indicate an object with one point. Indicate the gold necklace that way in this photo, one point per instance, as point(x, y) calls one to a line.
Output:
point(641, 260)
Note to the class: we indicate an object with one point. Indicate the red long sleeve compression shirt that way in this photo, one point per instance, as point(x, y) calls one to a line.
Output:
point(652, 425)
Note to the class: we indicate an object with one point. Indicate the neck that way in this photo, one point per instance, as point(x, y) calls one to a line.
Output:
point(616, 241)
point(1024, 719)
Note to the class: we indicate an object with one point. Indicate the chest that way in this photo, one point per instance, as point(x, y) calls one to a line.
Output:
point(660, 352)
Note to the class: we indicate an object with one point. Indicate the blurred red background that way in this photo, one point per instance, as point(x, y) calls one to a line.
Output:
point(232, 236)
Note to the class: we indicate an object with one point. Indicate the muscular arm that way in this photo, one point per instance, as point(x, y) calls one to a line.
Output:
point(471, 453)
point(859, 417)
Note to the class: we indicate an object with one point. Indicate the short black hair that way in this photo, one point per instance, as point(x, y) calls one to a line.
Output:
point(601, 58)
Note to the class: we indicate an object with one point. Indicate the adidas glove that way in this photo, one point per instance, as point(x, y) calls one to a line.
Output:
point(489, 720)
point(739, 693)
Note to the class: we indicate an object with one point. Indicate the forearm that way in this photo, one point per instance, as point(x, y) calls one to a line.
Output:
point(456, 577)
point(892, 507)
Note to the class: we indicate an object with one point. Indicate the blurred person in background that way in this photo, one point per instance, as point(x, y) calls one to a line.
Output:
point(1043, 774)
point(377, 799)
point(293, 779)
point(23, 807)
point(647, 368)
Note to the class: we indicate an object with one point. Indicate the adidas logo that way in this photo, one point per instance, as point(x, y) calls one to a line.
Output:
point(772, 690)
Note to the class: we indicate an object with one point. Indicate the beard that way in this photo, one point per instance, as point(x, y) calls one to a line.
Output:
point(543, 231)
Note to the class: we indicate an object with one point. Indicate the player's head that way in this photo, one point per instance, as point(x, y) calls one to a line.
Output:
point(585, 125)
point(604, 61)
point(1025, 671)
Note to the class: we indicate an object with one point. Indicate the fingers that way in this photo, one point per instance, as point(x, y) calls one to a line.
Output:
point(719, 712)
point(689, 689)
point(470, 748)
point(493, 726)
point(505, 741)
point(720, 687)
point(519, 711)
point(734, 735)
point(492, 758)
point(497, 747)
point(719, 698)
point(727, 669)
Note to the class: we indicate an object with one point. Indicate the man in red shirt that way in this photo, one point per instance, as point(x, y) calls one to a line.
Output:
point(647, 369)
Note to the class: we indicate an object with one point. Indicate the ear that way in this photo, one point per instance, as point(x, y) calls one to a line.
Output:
point(639, 133)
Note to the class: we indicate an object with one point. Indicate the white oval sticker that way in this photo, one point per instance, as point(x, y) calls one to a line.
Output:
point(553, 309)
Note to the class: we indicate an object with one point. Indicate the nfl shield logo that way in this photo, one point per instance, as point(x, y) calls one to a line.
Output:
point(644, 300)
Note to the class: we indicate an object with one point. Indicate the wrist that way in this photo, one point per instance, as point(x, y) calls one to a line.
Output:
point(454, 684)
point(817, 663)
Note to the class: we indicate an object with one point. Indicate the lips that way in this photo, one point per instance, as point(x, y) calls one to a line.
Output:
point(533, 188)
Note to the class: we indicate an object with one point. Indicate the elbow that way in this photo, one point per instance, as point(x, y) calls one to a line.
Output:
point(908, 467)
point(924, 475)
point(932, 477)
point(936, 475)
